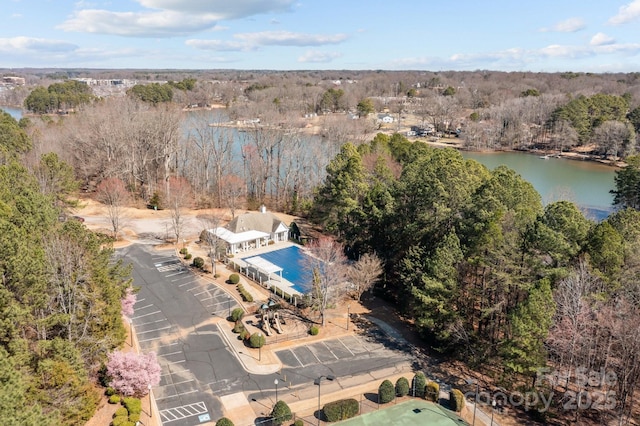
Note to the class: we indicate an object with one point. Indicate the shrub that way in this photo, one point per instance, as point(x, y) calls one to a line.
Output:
point(133, 405)
point(120, 421)
point(281, 413)
point(110, 391)
point(234, 278)
point(134, 417)
point(184, 250)
point(257, 340)
point(418, 384)
point(456, 400)
point(341, 410)
point(244, 334)
point(314, 330)
point(224, 422)
point(402, 387)
point(198, 262)
point(237, 314)
point(121, 411)
point(386, 392)
point(432, 393)
point(246, 296)
point(188, 256)
point(238, 327)
point(298, 423)
point(156, 201)
point(114, 399)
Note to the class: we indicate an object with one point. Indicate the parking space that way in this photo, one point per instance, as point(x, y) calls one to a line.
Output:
point(329, 351)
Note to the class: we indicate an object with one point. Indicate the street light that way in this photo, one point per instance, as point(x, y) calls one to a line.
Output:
point(475, 405)
point(275, 382)
point(348, 308)
point(150, 402)
point(493, 409)
point(259, 346)
point(130, 331)
point(317, 383)
point(229, 305)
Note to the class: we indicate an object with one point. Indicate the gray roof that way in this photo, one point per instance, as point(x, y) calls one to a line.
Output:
point(255, 221)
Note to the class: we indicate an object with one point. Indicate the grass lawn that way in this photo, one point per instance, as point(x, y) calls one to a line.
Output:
point(410, 413)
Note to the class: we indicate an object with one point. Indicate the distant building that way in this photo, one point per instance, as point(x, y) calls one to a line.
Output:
point(14, 81)
point(385, 118)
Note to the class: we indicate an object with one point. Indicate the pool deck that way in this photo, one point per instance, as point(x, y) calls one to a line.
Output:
point(276, 280)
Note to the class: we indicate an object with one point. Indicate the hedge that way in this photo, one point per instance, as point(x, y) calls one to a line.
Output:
point(257, 340)
point(456, 400)
point(432, 392)
point(281, 413)
point(234, 278)
point(418, 384)
point(246, 296)
point(402, 387)
point(341, 410)
point(386, 392)
point(237, 314)
point(224, 422)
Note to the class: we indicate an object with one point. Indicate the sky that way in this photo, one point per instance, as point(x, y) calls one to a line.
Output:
point(502, 35)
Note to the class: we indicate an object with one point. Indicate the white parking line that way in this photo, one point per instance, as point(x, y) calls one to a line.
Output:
point(296, 357)
point(152, 322)
point(146, 315)
point(144, 307)
point(346, 347)
point(329, 349)
point(155, 329)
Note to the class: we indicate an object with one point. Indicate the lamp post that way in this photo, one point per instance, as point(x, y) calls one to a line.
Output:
point(475, 405)
point(229, 305)
point(150, 402)
point(275, 382)
point(259, 346)
point(348, 318)
point(317, 382)
point(130, 331)
point(493, 409)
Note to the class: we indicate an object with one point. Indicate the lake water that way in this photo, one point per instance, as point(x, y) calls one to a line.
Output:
point(584, 182)
point(14, 112)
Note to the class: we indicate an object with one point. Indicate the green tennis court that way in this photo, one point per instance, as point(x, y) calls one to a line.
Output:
point(410, 413)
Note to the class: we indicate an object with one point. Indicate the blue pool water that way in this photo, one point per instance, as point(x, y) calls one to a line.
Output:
point(291, 260)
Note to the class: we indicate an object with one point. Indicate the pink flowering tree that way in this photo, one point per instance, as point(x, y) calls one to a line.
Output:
point(128, 302)
point(132, 373)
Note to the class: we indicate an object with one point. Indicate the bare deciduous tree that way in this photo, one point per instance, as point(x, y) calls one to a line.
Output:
point(327, 266)
point(178, 197)
point(364, 273)
point(113, 193)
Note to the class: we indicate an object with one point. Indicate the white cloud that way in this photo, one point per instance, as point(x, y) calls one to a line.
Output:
point(252, 41)
point(319, 57)
point(570, 25)
point(167, 18)
point(627, 13)
point(220, 45)
point(287, 38)
point(601, 39)
point(225, 9)
point(23, 45)
point(148, 24)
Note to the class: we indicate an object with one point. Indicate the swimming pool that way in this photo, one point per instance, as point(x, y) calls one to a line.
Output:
point(291, 260)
